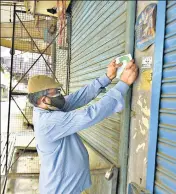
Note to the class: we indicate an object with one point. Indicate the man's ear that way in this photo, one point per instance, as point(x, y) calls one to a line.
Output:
point(42, 100)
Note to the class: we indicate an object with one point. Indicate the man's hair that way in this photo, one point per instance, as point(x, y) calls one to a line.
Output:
point(34, 97)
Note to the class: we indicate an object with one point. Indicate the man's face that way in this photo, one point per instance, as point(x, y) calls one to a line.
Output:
point(51, 93)
point(54, 100)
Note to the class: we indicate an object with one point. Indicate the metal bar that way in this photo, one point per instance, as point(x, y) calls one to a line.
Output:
point(8, 124)
point(10, 89)
point(156, 92)
point(20, 11)
point(53, 51)
point(69, 50)
point(19, 93)
point(21, 111)
point(39, 51)
point(34, 8)
point(23, 175)
point(64, 18)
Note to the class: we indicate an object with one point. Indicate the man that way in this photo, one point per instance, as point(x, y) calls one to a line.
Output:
point(64, 158)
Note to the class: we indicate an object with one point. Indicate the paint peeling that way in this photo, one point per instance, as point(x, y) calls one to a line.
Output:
point(145, 122)
point(140, 146)
point(134, 136)
point(143, 131)
point(145, 160)
point(143, 106)
point(146, 111)
point(139, 103)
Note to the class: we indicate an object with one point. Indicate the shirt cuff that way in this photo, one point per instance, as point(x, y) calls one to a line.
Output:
point(122, 87)
point(104, 80)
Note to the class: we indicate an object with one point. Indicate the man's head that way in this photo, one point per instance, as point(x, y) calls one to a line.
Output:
point(45, 93)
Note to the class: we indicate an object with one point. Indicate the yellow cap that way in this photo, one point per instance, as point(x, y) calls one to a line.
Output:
point(41, 82)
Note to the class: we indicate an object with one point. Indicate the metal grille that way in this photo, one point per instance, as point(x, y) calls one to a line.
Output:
point(61, 60)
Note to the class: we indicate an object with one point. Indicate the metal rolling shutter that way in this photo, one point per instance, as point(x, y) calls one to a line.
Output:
point(165, 177)
point(98, 35)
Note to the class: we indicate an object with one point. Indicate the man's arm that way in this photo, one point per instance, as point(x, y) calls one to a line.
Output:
point(86, 94)
point(91, 91)
point(61, 124)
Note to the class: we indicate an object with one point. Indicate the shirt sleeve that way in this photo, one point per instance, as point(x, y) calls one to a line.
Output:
point(62, 124)
point(86, 94)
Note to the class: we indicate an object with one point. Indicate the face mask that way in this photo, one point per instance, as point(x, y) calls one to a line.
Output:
point(57, 102)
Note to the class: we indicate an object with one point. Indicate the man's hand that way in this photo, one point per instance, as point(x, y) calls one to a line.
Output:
point(112, 69)
point(130, 73)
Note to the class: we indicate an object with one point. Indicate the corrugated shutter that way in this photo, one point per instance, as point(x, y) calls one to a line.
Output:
point(98, 36)
point(165, 178)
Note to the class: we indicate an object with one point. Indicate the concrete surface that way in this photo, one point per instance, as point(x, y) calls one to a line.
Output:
point(140, 115)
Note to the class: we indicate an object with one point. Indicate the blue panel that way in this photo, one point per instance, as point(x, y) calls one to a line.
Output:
point(165, 181)
point(170, 29)
point(168, 119)
point(156, 85)
point(171, 13)
point(170, 57)
point(168, 103)
point(159, 190)
point(170, 43)
point(167, 134)
point(165, 170)
point(169, 166)
point(170, 3)
point(167, 149)
point(169, 73)
point(169, 88)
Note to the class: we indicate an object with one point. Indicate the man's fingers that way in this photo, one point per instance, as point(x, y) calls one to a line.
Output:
point(135, 73)
point(133, 67)
point(115, 64)
point(130, 64)
point(118, 65)
point(113, 61)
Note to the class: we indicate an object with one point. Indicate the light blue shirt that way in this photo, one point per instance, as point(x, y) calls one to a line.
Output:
point(64, 158)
